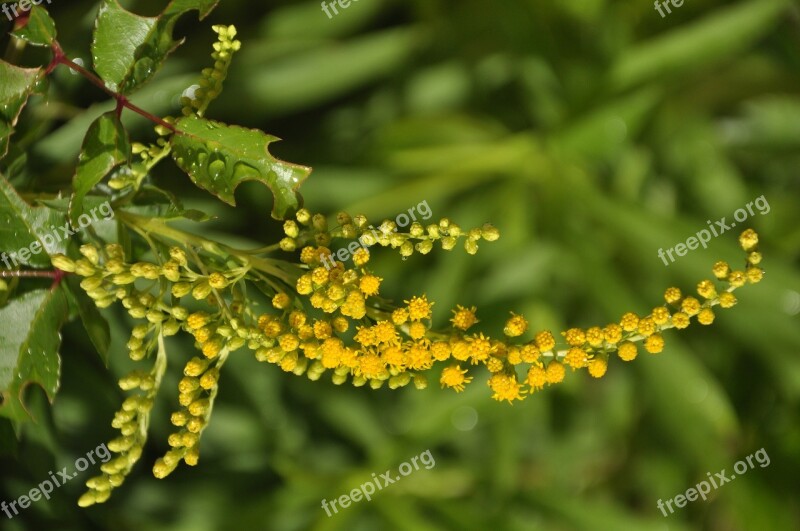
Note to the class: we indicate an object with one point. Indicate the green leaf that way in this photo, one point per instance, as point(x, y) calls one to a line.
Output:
point(93, 321)
point(105, 147)
point(40, 30)
point(17, 85)
point(219, 157)
point(29, 343)
point(28, 231)
point(127, 63)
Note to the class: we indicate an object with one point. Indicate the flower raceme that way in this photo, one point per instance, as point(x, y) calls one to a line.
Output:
point(333, 322)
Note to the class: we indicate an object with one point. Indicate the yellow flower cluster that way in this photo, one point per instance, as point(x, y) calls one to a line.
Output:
point(333, 321)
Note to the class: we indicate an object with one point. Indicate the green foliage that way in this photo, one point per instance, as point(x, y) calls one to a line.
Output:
point(126, 64)
point(219, 157)
point(18, 84)
point(29, 347)
point(105, 147)
point(592, 133)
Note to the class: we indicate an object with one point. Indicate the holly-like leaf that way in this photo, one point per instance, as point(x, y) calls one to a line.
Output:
point(16, 86)
point(29, 234)
point(29, 342)
point(128, 49)
point(105, 147)
point(219, 157)
point(40, 30)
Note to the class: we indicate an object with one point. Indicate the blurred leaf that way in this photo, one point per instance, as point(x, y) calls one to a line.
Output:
point(722, 34)
point(95, 324)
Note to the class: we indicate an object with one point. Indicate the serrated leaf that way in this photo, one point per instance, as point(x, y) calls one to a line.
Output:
point(40, 30)
point(17, 85)
point(24, 229)
point(127, 63)
point(219, 157)
point(105, 147)
point(95, 324)
point(29, 343)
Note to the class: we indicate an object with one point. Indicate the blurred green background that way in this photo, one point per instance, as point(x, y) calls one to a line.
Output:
point(591, 133)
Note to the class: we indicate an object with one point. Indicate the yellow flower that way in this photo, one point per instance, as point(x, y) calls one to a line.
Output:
point(419, 308)
point(460, 350)
point(748, 240)
point(555, 372)
point(706, 289)
point(690, 306)
point(515, 326)
point(480, 348)
point(680, 320)
point(394, 357)
point(440, 350)
point(672, 295)
point(385, 332)
point(369, 285)
point(281, 301)
point(400, 316)
point(629, 322)
point(598, 367)
point(727, 300)
point(417, 330)
point(529, 353)
point(660, 315)
point(419, 357)
point(545, 341)
point(705, 317)
point(721, 270)
point(654, 344)
point(361, 257)
point(646, 326)
point(371, 366)
point(627, 351)
point(613, 333)
point(754, 275)
point(594, 336)
point(505, 387)
point(575, 337)
point(454, 378)
point(576, 358)
point(537, 377)
point(463, 318)
point(366, 336)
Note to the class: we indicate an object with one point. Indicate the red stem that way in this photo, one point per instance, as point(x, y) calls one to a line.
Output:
point(57, 275)
point(122, 102)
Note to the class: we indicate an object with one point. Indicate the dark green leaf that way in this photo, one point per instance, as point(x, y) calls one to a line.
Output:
point(95, 324)
point(127, 63)
point(17, 85)
point(219, 157)
point(29, 233)
point(105, 147)
point(29, 343)
point(40, 30)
